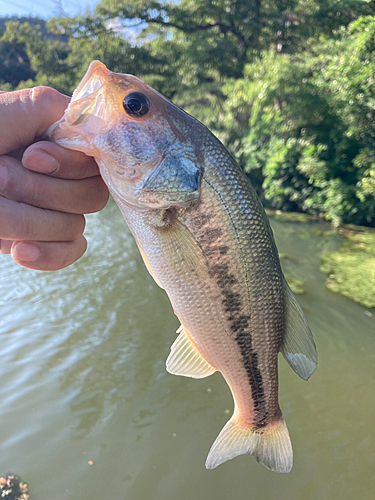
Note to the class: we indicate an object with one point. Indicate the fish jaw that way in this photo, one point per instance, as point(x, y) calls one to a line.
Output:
point(88, 115)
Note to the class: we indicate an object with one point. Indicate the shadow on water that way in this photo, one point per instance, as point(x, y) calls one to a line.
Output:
point(83, 379)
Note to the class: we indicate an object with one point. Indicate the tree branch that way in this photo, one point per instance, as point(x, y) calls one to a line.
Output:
point(199, 27)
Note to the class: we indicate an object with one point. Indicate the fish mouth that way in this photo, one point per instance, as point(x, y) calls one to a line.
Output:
point(94, 78)
point(90, 112)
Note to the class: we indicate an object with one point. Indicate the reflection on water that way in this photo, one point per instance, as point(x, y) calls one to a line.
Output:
point(82, 366)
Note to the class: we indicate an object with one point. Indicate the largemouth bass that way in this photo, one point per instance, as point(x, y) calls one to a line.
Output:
point(207, 242)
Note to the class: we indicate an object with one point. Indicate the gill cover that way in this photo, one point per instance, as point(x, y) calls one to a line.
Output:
point(176, 180)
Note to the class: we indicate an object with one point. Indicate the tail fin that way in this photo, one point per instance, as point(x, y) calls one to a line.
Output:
point(270, 446)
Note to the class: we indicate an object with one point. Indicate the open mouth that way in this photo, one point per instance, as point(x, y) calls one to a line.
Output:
point(94, 78)
point(87, 115)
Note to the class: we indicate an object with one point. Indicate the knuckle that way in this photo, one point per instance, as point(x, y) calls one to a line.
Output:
point(30, 192)
point(15, 225)
point(75, 250)
point(18, 185)
point(99, 195)
point(77, 226)
point(102, 197)
point(5, 246)
point(9, 221)
point(44, 95)
point(24, 225)
point(3, 228)
point(4, 177)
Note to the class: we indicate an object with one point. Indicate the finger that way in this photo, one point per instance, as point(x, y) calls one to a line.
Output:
point(5, 246)
point(49, 158)
point(72, 196)
point(24, 222)
point(48, 256)
point(26, 114)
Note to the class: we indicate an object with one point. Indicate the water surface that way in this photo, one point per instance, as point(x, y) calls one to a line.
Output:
point(82, 367)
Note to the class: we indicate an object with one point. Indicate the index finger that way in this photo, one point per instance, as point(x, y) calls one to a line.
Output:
point(54, 160)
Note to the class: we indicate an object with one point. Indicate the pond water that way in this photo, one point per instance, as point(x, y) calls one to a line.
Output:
point(82, 367)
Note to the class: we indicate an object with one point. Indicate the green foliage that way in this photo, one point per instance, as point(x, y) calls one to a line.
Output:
point(221, 35)
point(287, 86)
point(351, 270)
point(41, 57)
point(14, 60)
point(298, 287)
point(310, 125)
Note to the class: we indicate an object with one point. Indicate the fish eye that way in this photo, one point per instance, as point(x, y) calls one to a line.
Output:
point(136, 104)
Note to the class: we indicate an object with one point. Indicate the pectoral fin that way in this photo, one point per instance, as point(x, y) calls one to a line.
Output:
point(184, 358)
point(298, 347)
point(183, 253)
point(148, 267)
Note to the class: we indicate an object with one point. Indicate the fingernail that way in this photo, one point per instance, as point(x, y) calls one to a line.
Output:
point(3, 177)
point(25, 252)
point(40, 161)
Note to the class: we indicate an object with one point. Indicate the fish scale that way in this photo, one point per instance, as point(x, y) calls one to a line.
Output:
point(254, 241)
point(206, 240)
point(214, 313)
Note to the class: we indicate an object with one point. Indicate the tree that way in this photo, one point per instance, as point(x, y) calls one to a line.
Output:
point(14, 60)
point(33, 56)
point(287, 86)
point(221, 36)
point(310, 125)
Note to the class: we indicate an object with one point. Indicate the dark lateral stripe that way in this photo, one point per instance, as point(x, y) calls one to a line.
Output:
point(250, 358)
point(240, 326)
point(239, 322)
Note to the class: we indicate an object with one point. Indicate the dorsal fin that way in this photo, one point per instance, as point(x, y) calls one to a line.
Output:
point(185, 359)
point(298, 347)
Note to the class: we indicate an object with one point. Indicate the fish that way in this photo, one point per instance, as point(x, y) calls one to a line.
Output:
point(205, 239)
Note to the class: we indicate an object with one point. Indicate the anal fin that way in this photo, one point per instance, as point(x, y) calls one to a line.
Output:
point(298, 347)
point(185, 359)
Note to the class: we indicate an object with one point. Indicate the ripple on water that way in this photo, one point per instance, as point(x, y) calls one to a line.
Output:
point(83, 378)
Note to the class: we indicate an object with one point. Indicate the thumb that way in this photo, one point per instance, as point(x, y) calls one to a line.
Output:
point(26, 114)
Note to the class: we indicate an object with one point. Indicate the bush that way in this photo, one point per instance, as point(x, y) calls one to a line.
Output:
point(309, 125)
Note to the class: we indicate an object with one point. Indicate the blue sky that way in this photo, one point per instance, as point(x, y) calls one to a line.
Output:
point(44, 8)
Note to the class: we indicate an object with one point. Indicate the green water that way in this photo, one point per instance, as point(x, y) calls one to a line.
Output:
point(82, 367)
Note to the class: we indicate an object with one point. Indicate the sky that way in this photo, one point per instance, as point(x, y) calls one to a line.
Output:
point(44, 8)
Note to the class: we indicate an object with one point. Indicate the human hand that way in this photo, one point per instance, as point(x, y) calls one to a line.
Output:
point(44, 196)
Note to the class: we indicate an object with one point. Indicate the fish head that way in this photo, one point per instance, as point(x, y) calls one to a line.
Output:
point(139, 139)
